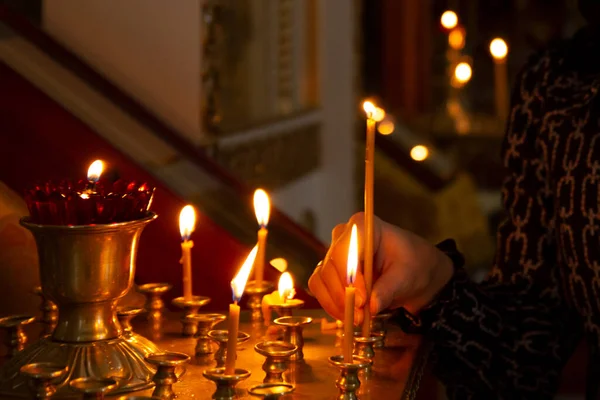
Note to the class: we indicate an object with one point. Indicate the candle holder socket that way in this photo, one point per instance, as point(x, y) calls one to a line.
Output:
point(221, 337)
point(41, 378)
point(348, 383)
point(225, 382)
point(154, 302)
point(15, 336)
point(92, 388)
point(125, 315)
point(190, 307)
point(205, 323)
point(379, 328)
point(364, 347)
point(286, 309)
point(277, 360)
point(49, 312)
point(271, 391)
point(165, 376)
point(255, 293)
point(293, 333)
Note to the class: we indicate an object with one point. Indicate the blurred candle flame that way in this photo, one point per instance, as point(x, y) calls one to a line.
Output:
point(352, 265)
point(262, 207)
point(95, 170)
point(280, 264)
point(286, 286)
point(238, 284)
point(370, 109)
point(187, 222)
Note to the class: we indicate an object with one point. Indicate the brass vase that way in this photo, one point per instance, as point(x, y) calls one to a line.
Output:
point(85, 270)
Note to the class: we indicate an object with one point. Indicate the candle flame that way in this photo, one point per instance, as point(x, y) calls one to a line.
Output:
point(449, 19)
point(95, 170)
point(463, 72)
point(280, 264)
point(352, 256)
point(84, 196)
point(369, 108)
point(238, 284)
point(187, 222)
point(386, 127)
point(379, 114)
point(498, 48)
point(456, 38)
point(262, 207)
point(286, 286)
point(419, 152)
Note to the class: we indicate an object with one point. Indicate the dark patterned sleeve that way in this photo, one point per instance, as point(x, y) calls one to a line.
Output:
point(510, 336)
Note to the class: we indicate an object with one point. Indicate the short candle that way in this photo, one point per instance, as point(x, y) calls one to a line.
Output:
point(262, 209)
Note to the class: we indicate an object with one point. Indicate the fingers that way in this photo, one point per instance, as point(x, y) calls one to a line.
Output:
point(384, 293)
point(321, 292)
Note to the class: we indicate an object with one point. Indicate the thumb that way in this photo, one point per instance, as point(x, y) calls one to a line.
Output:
point(383, 294)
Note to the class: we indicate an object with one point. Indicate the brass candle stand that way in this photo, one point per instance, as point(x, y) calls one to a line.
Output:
point(42, 378)
point(85, 270)
point(221, 337)
point(125, 315)
point(285, 309)
point(379, 328)
point(293, 333)
point(255, 293)
point(205, 323)
point(271, 391)
point(348, 383)
point(165, 376)
point(15, 336)
point(92, 388)
point(154, 302)
point(49, 312)
point(364, 347)
point(190, 307)
point(277, 359)
point(226, 383)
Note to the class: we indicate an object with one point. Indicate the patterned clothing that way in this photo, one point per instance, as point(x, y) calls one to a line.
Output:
point(510, 337)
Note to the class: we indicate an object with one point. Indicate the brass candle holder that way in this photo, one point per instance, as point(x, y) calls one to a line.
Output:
point(154, 302)
point(92, 388)
point(49, 312)
point(379, 328)
point(285, 309)
point(348, 383)
point(125, 315)
point(364, 347)
point(221, 337)
point(41, 378)
point(165, 376)
point(85, 270)
point(15, 336)
point(255, 294)
point(225, 382)
point(293, 333)
point(205, 323)
point(190, 307)
point(277, 360)
point(271, 391)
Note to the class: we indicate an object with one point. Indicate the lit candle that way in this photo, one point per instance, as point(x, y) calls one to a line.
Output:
point(262, 210)
point(286, 287)
point(349, 298)
point(94, 171)
point(86, 203)
point(238, 284)
point(187, 223)
point(499, 51)
point(368, 232)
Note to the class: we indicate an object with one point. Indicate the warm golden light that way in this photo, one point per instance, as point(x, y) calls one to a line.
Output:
point(95, 170)
point(419, 152)
point(352, 264)
point(238, 284)
point(498, 49)
point(463, 72)
point(280, 264)
point(386, 127)
point(262, 207)
point(379, 114)
point(187, 222)
point(449, 19)
point(370, 109)
point(286, 286)
point(456, 39)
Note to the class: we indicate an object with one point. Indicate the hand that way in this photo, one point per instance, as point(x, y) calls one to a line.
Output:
point(408, 271)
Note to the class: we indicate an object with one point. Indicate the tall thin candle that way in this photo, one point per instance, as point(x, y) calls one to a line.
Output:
point(262, 209)
point(187, 223)
point(238, 284)
point(368, 231)
point(350, 296)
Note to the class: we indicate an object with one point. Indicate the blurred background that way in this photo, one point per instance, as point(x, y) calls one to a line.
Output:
point(210, 99)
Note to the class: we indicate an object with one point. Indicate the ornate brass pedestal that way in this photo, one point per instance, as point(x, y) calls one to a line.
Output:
point(84, 270)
